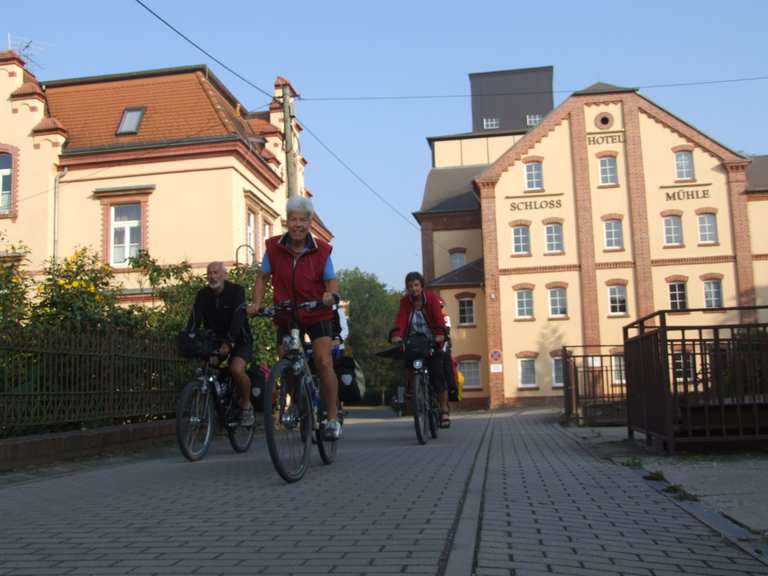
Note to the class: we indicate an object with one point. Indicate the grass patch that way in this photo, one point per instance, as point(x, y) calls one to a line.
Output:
point(655, 476)
point(680, 493)
point(633, 462)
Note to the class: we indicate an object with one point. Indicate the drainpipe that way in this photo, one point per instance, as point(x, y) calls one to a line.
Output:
point(59, 174)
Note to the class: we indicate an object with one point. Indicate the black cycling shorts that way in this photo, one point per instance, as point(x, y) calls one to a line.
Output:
point(242, 350)
point(314, 331)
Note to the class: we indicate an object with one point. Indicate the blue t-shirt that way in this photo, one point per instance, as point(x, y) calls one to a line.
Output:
point(328, 272)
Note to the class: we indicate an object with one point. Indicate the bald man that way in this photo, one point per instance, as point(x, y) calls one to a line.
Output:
point(220, 307)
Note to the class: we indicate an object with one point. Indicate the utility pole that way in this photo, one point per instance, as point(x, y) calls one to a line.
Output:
point(290, 155)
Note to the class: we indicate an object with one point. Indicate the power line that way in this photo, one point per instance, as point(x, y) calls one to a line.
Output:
point(304, 125)
point(201, 49)
point(357, 176)
point(522, 92)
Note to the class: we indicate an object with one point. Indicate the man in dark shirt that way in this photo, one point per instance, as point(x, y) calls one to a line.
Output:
point(221, 308)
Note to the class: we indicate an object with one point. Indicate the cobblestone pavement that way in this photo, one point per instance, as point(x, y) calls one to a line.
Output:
point(507, 493)
point(551, 507)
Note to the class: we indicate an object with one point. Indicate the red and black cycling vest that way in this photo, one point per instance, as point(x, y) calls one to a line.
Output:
point(299, 278)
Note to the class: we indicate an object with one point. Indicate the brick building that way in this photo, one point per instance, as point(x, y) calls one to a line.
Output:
point(604, 209)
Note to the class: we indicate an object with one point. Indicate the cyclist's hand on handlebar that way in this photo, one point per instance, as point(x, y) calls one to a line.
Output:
point(396, 340)
point(439, 338)
point(253, 310)
point(329, 299)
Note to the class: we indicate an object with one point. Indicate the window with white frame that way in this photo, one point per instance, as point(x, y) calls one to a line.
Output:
point(707, 228)
point(617, 369)
point(491, 123)
point(527, 372)
point(673, 231)
point(532, 120)
point(554, 237)
point(678, 298)
point(608, 173)
point(614, 235)
point(534, 176)
point(458, 259)
point(521, 240)
point(471, 371)
point(558, 379)
point(558, 302)
point(125, 234)
point(684, 366)
point(466, 311)
point(617, 299)
point(524, 301)
point(6, 182)
point(713, 294)
point(251, 235)
point(684, 165)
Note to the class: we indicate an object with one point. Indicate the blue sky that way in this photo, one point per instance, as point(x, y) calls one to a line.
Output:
point(347, 48)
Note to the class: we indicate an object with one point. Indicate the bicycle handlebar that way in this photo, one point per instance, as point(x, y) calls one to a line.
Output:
point(288, 306)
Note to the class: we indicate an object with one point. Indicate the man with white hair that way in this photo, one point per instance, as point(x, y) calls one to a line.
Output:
point(220, 307)
point(301, 270)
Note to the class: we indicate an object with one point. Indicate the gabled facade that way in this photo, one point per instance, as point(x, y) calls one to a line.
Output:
point(167, 161)
point(608, 210)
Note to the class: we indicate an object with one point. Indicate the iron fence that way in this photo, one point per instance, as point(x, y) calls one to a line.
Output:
point(690, 382)
point(65, 378)
point(594, 385)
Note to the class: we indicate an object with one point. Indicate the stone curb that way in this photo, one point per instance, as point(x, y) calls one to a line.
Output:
point(39, 449)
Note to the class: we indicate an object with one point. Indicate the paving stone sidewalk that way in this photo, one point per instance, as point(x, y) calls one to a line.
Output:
point(388, 506)
point(551, 507)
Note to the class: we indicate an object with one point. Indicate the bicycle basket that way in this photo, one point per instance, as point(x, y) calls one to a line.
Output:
point(417, 346)
point(192, 344)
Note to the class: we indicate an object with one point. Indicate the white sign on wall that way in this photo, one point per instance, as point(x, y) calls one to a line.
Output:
point(497, 368)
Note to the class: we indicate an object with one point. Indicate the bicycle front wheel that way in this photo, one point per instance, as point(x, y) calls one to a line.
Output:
point(287, 421)
point(195, 420)
point(420, 408)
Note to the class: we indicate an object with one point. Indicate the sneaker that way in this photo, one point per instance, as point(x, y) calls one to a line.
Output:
point(332, 430)
point(247, 417)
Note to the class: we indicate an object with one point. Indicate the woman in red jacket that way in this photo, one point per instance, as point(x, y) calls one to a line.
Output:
point(420, 312)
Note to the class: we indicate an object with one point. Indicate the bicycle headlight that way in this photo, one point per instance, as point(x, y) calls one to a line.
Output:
point(418, 364)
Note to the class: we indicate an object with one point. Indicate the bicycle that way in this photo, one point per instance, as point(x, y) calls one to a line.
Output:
point(292, 403)
point(209, 399)
point(416, 351)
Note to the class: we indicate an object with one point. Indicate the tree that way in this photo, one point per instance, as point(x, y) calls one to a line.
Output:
point(372, 310)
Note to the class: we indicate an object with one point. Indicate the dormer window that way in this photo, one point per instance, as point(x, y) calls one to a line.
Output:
point(129, 123)
point(490, 123)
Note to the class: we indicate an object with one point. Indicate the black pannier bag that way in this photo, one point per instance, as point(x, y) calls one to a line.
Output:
point(417, 347)
point(192, 344)
point(351, 379)
point(258, 382)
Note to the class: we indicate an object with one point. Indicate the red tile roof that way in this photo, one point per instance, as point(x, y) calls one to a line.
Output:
point(11, 56)
point(263, 127)
point(49, 125)
point(27, 89)
point(177, 107)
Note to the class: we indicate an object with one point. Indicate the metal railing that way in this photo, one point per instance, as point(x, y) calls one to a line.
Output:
point(594, 385)
point(697, 383)
point(64, 379)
